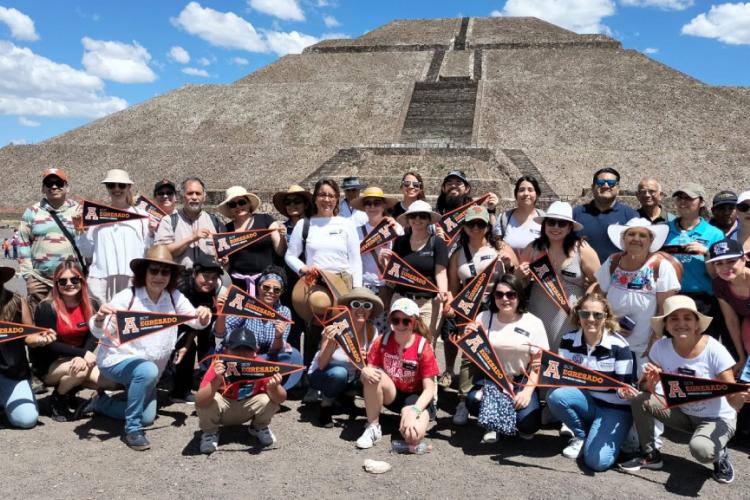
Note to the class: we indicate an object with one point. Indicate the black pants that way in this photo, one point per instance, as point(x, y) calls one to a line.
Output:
point(313, 334)
point(184, 375)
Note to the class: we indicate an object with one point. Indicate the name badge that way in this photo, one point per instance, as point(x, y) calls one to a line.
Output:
point(335, 232)
point(522, 331)
point(409, 365)
point(635, 286)
point(568, 273)
point(686, 371)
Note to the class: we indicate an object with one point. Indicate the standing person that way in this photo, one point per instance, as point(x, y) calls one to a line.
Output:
point(165, 196)
point(602, 211)
point(599, 418)
point(16, 397)
point(399, 375)
point(111, 247)
point(743, 220)
point(724, 213)
point(711, 423)
point(516, 226)
point(138, 365)
point(15, 241)
point(455, 191)
point(412, 189)
point(47, 235)
point(245, 265)
point(650, 196)
point(351, 188)
point(574, 261)
point(6, 248)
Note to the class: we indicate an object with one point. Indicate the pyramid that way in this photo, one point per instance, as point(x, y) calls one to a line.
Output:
point(497, 97)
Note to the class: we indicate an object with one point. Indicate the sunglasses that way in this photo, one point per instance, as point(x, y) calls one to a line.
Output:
point(476, 224)
point(75, 280)
point(361, 304)
point(164, 271)
point(597, 315)
point(511, 295)
point(606, 182)
point(411, 184)
point(165, 194)
point(53, 183)
point(239, 203)
point(276, 290)
point(372, 203)
point(743, 207)
point(418, 215)
point(118, 185)
point(405, 321)
point(293, 201)
point(557, 223)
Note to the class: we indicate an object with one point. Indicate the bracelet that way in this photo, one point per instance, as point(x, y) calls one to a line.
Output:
point(416, 409)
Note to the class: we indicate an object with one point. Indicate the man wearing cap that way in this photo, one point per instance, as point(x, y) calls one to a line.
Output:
point(165, 196)
point(650, 195)
point(351, 187)
point(724, 213)
point(602, 211)
point(455, 191)
point(42, 242)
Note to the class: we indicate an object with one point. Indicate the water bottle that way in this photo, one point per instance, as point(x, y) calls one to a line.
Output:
point(683, 240)
point(400, 446)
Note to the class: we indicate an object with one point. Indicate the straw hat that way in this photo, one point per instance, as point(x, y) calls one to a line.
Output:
point(237, 192)
point(418, 207)
point(279, 197)
point(7, 273)
point(373, 192)
point(159, 254)
point(677, 302)
point(116, 176)
point(659, 232)
point(560, 210)
point(362, 293)
point(311, 300)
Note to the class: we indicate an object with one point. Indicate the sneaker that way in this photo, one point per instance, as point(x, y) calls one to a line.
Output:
point(651, 460)
point(461, 417)
point(209, 442)
point(312, 396)
point(574, 448)
point(489, 437)
point(59, 410)
point(723, 470)
point(137, 441)
point(565, 431)
point(86, 408)
point(264, 436)
point(325, 416)
point(372, 435)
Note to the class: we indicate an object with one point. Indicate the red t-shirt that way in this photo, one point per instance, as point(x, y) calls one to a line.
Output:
point(76, 335)
point(407, 372)
point(238, 391)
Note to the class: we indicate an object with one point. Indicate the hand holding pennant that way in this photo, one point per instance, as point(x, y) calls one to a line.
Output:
point(477, 348)
point(134, 325)
point(468, 301)
point(97, 214)
point(240, 369)
point(684, 389)
point(546, 276)
point(345, 335)
point(149, 206)
point(228, 243)
point(451, 222)
point(382, 234)
point(399, 272)
point(239, 303)
point(557, 371)
point(13, 331)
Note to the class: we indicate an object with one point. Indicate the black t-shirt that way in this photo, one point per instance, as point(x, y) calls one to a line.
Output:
point(258, 256)
point(13, 363)
point(434, 253)
point(397, 210)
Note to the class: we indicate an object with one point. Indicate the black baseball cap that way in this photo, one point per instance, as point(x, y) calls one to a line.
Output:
point(205, 262)
point(458, 174)
point(724, 198)
point(241, 337)
point(165, 182)
point(725, 249)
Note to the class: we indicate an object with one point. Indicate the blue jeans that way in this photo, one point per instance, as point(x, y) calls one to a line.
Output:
point(17, 398)
point(607, 426)
point(331, 381)
point(528, 420)
point(293, 357)
point(139, 377)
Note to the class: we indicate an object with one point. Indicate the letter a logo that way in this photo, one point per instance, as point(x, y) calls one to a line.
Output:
point(223, 246)
point(232, 370)
point(395, 270)
point(465, 306)
point(553, 370)
point(474, 343)
point(91, 214)
point(236, 302)
point(130, 326)
point(674, 389)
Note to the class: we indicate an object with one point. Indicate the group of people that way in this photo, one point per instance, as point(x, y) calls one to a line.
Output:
point(645, 291)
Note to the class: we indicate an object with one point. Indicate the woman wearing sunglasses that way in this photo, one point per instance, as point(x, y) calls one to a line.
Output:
point(69, 362)
point(331, 371)
point(743, 222)
point(138, 364)
point(245, 265)
point(400, 375)
point(598, 418)
point(574, 261)
point(111, 247)
point(412, 189)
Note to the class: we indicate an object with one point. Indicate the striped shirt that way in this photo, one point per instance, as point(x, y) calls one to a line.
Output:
point(611, 357)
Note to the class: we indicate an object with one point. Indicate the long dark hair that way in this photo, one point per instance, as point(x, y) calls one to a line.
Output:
point(542, 242)
point(531, 180)
point(332, 184)
point(515, 284)
point(420, 196)
point(492, 239)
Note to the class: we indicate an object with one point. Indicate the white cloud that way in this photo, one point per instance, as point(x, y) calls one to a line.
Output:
point(581, 16)
point(195, 72)
point(727, 22)
point(21, 26)
point(220, 29)
point(25, 122)
point(240, 61)
point(331, 22)
point(178, 54)
point(650, 50)
point(34, 85)
point(289, 43)
point(204, 61)
point(117, 61)
point(289, 10)
point(659, 4)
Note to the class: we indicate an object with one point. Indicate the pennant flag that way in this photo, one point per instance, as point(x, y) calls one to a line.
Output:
point(399, 272)
point(240, 303)
point(547, 277)
point(477, 348)
point(149, 206)
point(382, 234)
point(469, 300)
point(452, 221)
point(684, 389)
point(241, 369)
point(346, 336)
point(96, 214)
point(228, 243)
point(557, 371)
point(13, 331)
point(133, 325)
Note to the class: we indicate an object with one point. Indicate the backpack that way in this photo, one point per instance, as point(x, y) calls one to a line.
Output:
point(173, 219)
point(654, 262)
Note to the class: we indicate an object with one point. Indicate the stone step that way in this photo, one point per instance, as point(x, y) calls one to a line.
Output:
point(441, 111)
point(527, 167)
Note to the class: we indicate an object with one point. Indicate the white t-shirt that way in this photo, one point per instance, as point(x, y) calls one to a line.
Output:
point(708, 364)
point(518, 236)
point(633, 294)
point(511, 341)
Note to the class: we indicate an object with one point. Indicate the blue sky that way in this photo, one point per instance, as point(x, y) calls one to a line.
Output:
point(64, 63)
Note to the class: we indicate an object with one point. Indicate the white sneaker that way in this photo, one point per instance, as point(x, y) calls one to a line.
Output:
point(372, 435)
point(461, 417)
point(574, 448)
point(209, 442)
point(565, 431)
point(489, 437)
point(264, 436)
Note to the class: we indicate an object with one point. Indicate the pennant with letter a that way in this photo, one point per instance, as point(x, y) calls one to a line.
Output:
point(469, 300)
point(399, 272)
point(97, 214)
point(228, 243)
point(345, 335)
point(477, 348)
point(452, 221)
point(10, 331)
point(240, 369)
point(382, 234)
point(240, 303)
point(547, 278)
point(134, 325)
point(683, 389)
point(149, 206)
point(557, 371)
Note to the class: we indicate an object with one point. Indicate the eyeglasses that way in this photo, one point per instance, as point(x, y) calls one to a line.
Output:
point(411, 184)
point(511, 295)
point(557, 223)
point(597, 315)
point(75, 280)
point(293, 201)
point(276, 290)
point(164, 271)
point(165, 194)
point(418, 215)
point(118, 185)
point(53, 183)
point(361, 304)
point(606, 182)
point(644, 192)
point(239, 203)
point(326, 196)
point(743, 207)
point(476, 224)
point(372, 203)
point(405, 321)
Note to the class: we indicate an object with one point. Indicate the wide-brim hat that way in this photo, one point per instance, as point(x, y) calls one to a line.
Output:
point(7, 273)
point(312, 300)
point(362, 293)
point(659, 232)
point(117, 176)
point(294, 189)
point(675, 303)
point(373, 192)
point(237, 192)
point(560, 210)
point(418, 207)
point(158, 254)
